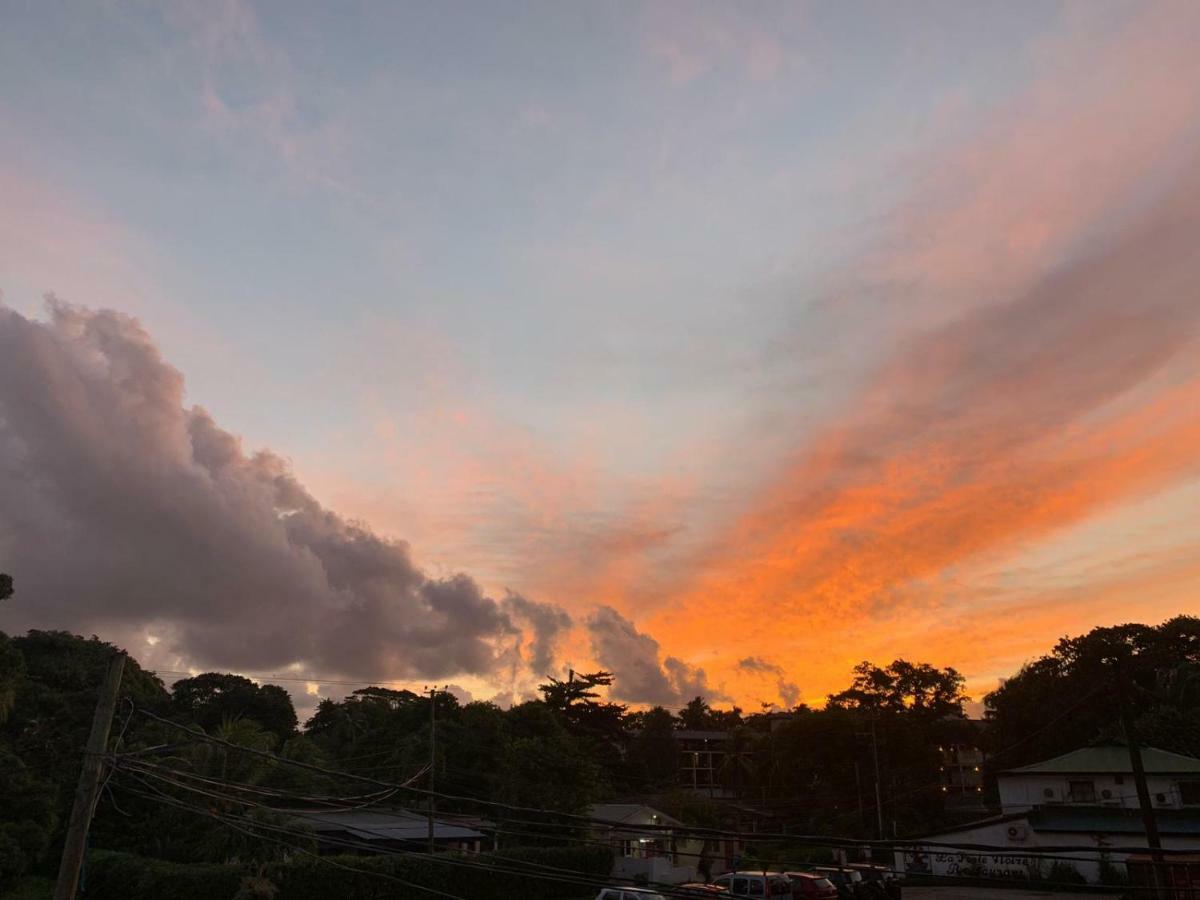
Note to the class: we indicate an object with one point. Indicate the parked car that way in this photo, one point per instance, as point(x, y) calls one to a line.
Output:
point(812, 885)
point(748, 884)
point(881, 878)
point(629, 893)
point(849, 883)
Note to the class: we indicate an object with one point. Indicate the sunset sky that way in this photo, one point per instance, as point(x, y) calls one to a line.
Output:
point(721, 345)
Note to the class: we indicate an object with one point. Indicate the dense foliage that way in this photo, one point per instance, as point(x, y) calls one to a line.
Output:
point(1069, 697)
point(119, 876)
point(812, 769)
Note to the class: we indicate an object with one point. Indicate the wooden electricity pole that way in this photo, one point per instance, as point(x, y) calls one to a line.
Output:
point(432, 762)
point(1149, 823)
point(88, 790)
point(878, 793)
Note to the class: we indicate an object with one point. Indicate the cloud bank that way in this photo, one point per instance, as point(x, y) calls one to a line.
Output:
point(1042, 370)
point(789, 691)
point(640, 676)
point(124, 511)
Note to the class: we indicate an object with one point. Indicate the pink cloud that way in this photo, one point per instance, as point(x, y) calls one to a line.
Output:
point(691, 40)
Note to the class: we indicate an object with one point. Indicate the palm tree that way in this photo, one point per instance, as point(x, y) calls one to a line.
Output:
point(737, 765)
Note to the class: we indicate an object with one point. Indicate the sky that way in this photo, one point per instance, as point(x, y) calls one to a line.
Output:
point(722, 346)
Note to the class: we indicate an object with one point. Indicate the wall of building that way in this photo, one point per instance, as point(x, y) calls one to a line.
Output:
point(655, 870)
point(1024, 791)
point(1014, 861)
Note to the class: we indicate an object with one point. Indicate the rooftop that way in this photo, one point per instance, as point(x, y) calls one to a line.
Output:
point(696, 734)
point(1111, 759)
point(385, 825)
point(631, 814)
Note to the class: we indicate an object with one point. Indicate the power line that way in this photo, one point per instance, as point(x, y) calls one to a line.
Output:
point(224, 820)
point(548, 873)
point(499, 864)
point(816, 840)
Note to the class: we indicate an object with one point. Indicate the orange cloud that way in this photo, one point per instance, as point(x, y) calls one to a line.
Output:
point(1063, 379)
point(1045, 369)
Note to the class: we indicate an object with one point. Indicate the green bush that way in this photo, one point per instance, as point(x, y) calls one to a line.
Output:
point(121, 876)
point(30, 888)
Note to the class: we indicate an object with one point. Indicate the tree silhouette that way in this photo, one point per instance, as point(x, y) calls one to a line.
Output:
point(6, 586)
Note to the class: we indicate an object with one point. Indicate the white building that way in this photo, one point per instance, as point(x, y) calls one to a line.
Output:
point(1085, 798)
point(1101, 776)
point(645, 844)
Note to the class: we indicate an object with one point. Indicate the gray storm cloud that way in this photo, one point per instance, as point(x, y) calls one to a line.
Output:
point(789, 691)
point(633, 657)
point(548, 622)
point(122, 510)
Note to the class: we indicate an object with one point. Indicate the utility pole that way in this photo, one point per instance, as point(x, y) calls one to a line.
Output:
point(88, 790)
point(878, 794)
point(432, 761)
point(1149, 823)
point(862, 818)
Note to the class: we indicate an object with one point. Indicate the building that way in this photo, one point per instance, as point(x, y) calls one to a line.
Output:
point(962, 773)
point(702, 761)
point(1085, 798)
point(375, 830)
point(1102, 776)
point(645, 844)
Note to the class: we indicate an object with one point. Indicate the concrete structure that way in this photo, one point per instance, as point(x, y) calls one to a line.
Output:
point(962, 772)
point(1048, 827)
point(701, 761)
point(1081, 799)
point(1101, 776)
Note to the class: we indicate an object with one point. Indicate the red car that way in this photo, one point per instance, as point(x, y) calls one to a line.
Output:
point(811, 885)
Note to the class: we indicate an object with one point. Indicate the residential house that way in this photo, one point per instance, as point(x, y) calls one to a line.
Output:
point(646, 843)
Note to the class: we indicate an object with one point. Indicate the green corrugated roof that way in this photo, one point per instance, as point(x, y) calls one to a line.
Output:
point(1112, 759)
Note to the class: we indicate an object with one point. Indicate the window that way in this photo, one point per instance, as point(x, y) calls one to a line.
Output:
point(1081, 791)
point(611, 895)
point(741, 887)
point(1189, 793)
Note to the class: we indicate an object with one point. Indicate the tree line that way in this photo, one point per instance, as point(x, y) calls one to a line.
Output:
point(812, 769)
